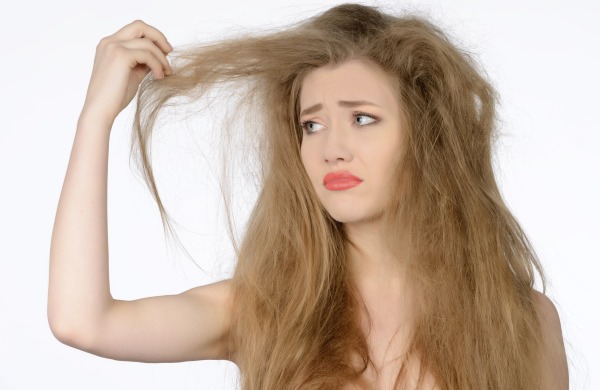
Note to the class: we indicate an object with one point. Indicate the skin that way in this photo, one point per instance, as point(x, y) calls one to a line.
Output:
point(335, 139)
point(193, 325)
point(364, 140)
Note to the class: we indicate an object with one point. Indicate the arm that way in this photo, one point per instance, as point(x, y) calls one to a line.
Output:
point(555, 375)
point(81, 311)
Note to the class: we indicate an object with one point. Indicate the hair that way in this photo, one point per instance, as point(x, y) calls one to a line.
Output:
point(294, 323)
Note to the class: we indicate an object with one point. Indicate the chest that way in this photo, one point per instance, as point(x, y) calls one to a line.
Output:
point(388, 354)
point(388, 338)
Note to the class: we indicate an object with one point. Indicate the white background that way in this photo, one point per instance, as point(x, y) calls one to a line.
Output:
point(542, 56)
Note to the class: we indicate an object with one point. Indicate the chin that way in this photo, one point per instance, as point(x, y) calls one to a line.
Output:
point(351, 215)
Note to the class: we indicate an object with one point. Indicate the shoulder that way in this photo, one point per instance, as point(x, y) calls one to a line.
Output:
point(555, 370)
point(218, 293)
point(214, 304)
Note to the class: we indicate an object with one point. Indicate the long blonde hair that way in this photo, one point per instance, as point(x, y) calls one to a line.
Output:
point(295, 320)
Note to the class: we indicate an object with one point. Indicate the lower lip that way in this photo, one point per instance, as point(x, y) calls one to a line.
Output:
point(339, 185)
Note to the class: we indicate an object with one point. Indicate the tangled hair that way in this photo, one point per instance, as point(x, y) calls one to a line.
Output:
point(295, 325)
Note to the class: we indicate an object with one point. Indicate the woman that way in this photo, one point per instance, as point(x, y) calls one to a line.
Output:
point(379, 254)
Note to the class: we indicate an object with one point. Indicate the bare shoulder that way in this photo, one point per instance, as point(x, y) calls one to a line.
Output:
point(216, 299)
point(555, 368)
point(217, 291)
point(219, 295)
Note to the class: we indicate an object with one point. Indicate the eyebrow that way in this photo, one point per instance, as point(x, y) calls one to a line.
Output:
point(341, 103)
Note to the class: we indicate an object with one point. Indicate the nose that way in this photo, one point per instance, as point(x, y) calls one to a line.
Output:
point(337, 143)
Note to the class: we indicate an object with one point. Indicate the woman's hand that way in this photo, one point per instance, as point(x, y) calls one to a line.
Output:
point(122, 61)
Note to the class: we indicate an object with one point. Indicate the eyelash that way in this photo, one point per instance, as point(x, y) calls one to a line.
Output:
point(354, 114)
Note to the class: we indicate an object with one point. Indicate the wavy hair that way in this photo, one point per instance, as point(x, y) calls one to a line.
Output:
point(295, 323)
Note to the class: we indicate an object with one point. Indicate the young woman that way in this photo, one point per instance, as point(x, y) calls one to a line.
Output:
point(379, 254)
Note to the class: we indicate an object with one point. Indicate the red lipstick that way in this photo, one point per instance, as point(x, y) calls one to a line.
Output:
point(341, 180)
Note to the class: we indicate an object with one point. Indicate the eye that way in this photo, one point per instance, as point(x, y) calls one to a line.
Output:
point(361, 115)
point(357, 114)
point(305, 124)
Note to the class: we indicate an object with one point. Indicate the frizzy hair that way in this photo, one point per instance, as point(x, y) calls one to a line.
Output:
point(294, 323)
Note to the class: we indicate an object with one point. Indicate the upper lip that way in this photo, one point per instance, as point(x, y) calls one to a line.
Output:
point(339, 175)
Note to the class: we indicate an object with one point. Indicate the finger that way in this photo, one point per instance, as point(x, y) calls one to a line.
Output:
point(140, 56)
point(139, 29)
point(147, 44)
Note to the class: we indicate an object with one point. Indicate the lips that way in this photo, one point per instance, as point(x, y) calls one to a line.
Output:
point(340, 180)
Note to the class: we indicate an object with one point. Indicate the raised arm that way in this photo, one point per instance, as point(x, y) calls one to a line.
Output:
point(81, 311)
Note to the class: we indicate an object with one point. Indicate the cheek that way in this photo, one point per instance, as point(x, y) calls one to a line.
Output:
point(307, 154)
point(307, 163)
point(384, 160)
point(313, 172)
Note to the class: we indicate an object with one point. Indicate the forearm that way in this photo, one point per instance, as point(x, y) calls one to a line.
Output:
point(79, 291)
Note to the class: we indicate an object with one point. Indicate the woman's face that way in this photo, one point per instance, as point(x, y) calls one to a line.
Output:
point(351, 122)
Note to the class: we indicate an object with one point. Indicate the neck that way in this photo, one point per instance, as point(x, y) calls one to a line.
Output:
point(379, 275)
point(371, 262)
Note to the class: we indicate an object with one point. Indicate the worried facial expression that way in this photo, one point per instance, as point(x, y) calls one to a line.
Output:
point(351, 121)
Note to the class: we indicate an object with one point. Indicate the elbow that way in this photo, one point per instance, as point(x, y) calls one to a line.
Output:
point(63, 331)
point(74, 326)
point(70, 333)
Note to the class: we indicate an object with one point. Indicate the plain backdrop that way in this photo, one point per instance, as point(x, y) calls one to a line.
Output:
point(542, 56)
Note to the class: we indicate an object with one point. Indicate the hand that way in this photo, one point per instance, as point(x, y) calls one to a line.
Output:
point(122, 61)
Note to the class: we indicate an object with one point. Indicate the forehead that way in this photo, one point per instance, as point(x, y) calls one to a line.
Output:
point(357, 79)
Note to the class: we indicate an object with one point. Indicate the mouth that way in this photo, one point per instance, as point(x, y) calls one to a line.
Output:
point(341, 180)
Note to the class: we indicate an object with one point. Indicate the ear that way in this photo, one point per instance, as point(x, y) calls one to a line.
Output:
point(555, 375)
